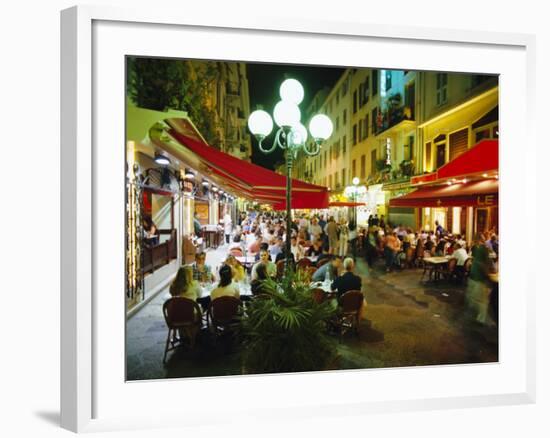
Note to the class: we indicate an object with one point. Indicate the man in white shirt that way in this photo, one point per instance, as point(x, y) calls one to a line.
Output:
point(459, 254)
point(296, 249)
point(315, 230)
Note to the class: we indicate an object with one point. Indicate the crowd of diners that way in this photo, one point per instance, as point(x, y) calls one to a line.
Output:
point(331, 248)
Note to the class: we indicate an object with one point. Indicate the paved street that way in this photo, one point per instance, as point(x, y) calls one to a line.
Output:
point(409, 323)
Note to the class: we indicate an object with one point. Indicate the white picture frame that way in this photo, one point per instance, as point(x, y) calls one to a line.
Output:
point(85, 380)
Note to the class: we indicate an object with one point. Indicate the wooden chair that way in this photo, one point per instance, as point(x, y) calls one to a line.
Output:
point(467, 268)
point(409, 257)
point(450, 270)
point(318, 295)
point(303, 263)
point(222, 314)
point(280, 268)
point(183, 318)
point(350, 309)
point(308, 273)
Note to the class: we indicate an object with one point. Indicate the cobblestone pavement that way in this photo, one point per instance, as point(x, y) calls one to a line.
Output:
point(410, 323)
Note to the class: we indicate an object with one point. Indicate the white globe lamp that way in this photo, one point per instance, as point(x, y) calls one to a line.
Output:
point(286, 114)
point(260, 123)
point(292, 91)
point(320, 127)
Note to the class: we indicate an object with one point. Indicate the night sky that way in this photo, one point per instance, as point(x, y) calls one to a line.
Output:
point(264, 81)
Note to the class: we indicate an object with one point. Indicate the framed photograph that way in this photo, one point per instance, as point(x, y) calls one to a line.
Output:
point(307, 216)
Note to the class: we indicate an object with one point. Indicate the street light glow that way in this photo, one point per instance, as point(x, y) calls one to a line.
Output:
point(299, 134)
point(292, 91)
point(286, 114)
point(320, 127)
point(260, 123)
point(355, 181)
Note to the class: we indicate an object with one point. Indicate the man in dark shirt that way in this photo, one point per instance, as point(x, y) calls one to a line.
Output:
point(348, 281)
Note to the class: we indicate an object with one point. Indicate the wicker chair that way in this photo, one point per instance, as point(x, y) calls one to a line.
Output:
point(350, 309)
point(183, 318)
point(222, 315)
point(318, 295)
point(303, 263)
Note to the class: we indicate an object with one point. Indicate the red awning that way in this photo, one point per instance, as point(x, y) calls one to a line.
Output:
point(476, 193)
point(482, 158)
point(249, 180)
point(346, 204)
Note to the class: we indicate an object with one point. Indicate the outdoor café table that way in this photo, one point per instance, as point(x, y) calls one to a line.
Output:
point(435, 266)
point(207, 288)
point(246, 261)
point(325, 286)
point(312, 258)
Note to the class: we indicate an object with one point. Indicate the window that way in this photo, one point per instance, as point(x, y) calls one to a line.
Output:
point(344, 117)
point(344, 177)
point(388, 79)
point(354, 102)
point(336, 179)
point(366, 91)
point(374, 116)
point(409, 99)
point(337, 98)
point(325, 159)
point(337, 148)
point(344, 145)
point(361, 94)
point(330, 180)
point(354, 134)
point(365, 127)
point(360, 133)
point(441, 154)
point(363, 169)
point(337, 123)
point(374, 82)
point(479, 79)
point(353, 168)
point(428, 158)
point(441, 88)
point(373, 162)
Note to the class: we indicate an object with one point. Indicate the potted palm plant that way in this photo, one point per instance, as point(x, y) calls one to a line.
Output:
point(285, 329)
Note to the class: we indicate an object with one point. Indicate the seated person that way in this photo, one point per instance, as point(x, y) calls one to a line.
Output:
point(256, 286)
point(282, 256)
point(226, 287)
point(184, 285)
point(201, 271)
point(331, 269)
point(263, 246)
point(237, 269)
point(315, 249)
point(270, 267)
point(296, 248)
point(460, 254)
point(325, 254)
point(275, 248)
point(348, 281)
point(254, 247)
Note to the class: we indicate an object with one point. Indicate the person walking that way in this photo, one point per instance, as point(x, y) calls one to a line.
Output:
point(227, 227)
point(332, 232)
point(343, 235)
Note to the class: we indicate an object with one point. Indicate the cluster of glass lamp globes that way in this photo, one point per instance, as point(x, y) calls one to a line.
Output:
point(292, 133)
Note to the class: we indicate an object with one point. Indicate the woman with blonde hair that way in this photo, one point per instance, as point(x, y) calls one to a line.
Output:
point(238, 271)
point(184, 285)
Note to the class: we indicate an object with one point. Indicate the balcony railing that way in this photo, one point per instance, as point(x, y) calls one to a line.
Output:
point(392, 117)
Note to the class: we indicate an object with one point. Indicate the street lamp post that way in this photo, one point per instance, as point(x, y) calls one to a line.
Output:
point(352, 192)
point(291, 137)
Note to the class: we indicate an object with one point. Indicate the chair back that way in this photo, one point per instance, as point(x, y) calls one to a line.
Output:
point(308, 273)
point(468, 265)
point(280, 268)
point(178, 311)
point(351, 301)
point(451, 265)
point(224, 309)
point(409, 255)
point(303, 263)
point(318, 295)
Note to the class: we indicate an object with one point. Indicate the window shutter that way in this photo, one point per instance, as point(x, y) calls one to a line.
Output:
point(458, 143)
